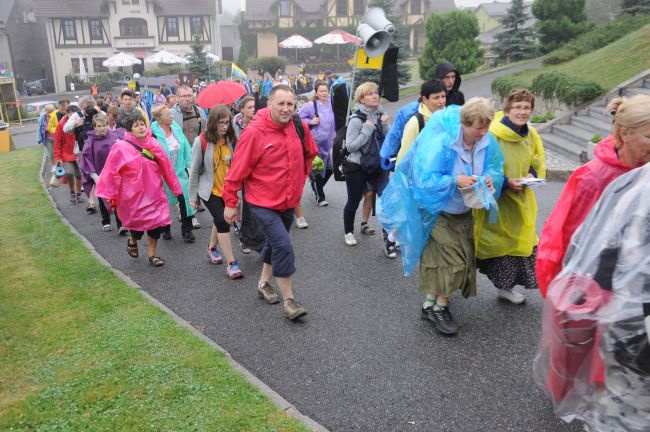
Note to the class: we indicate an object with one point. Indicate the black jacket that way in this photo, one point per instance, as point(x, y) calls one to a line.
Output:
point(455, 96)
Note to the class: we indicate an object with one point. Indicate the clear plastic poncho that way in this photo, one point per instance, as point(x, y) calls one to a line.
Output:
point(594, 356)
point(423, 183)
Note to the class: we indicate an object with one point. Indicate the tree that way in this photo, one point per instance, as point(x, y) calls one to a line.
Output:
point(451, 36)
point(198, 65)
point(515, 42)
point(635, 7)
point(559, 21)
point(243, 54)
point(269, 65)
point(400, 40)
point(602, 11)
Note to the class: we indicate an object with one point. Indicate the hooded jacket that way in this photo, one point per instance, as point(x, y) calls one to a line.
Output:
point(583, 189)
point(94, 154)
point(271, 162)
point(359, 133)
point(323, 132)
point(64, 143)
point(455, 96)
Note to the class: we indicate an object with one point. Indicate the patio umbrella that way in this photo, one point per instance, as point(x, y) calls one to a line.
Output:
point(213, 57)
point(166, 57)
point(221, 92)
point(121, 60)
point(83, 75)
point(338, 37)
point(297, 42)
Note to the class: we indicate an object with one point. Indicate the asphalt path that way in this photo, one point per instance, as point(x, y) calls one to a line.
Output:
point(362, 359)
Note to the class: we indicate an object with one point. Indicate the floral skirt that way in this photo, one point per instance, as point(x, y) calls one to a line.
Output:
point(507, 271)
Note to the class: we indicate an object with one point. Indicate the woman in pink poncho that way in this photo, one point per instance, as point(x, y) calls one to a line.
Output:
point(131, 182)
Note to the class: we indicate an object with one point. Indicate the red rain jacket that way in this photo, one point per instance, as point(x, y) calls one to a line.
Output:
point(582, 191)
point(271, 164)
point(64, 143)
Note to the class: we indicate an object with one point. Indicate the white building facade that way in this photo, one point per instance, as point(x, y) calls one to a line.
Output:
point(98, 29)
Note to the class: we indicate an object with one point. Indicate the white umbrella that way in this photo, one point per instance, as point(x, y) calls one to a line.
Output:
point(166, 57)
point(121, 60)
point(297, 42)
point(338, 37)
point(83, 75)
point(213, 57)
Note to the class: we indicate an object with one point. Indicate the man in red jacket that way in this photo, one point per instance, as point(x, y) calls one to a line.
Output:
point(272, 163)
point(64, 155)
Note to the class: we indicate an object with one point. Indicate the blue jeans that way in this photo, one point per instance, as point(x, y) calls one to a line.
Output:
point(355, 182)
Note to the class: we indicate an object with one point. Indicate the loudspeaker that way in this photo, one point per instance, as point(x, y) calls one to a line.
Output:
point(376, 18)
point(375, 42)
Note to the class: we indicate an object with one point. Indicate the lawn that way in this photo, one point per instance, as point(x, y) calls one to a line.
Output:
point(81, 350)
point(608, 66)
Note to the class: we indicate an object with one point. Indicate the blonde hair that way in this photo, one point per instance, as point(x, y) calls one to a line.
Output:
point(157, 109)
point(364, 90)
point(629, 113)
point(48, 108)
point(477, 111)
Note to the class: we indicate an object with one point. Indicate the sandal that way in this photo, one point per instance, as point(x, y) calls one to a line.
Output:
point(132, 248)
point(366, 229)
point(91, 208)
point(156, 261)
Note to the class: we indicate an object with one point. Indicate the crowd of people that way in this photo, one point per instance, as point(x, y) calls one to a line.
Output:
point(449, 179)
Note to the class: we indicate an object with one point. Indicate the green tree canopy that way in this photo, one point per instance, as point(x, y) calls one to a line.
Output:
point(451, 36)
point(635, 7)
point(198, 65)
point(515, 42)
point(559, 21)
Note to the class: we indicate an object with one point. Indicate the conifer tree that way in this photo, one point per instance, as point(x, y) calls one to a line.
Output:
point(635, 7)
point(515, 42)
point(198, 65)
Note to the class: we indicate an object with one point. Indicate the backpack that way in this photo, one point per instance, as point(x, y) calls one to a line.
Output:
point(393, 141)
point(370, 160)
point(340, 151)
point(420, 118)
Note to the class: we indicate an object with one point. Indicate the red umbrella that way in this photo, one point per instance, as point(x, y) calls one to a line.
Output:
point(221, 92)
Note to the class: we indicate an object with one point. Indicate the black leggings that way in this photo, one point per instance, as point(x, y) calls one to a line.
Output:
point(106, 216)
point(216, 206)
point(153, 233)
point(318, 183)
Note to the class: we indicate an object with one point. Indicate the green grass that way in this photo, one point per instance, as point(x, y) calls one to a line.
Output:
point(608, 66)
point(81, 350)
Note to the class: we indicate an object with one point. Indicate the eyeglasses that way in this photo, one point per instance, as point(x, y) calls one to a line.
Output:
point(521, 108)
point(168, 115)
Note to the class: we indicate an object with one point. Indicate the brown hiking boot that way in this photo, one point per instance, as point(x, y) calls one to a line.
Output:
point(266, 291)
point(293, 310)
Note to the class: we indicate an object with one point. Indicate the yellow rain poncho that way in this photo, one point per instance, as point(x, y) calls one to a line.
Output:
point(514, 232)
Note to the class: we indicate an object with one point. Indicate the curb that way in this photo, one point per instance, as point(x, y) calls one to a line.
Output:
point(277, 400)
point(558, 174)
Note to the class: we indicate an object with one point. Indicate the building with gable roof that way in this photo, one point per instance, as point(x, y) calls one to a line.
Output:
point(97, 29)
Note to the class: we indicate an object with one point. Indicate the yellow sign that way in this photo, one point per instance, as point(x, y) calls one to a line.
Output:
point(131, 85)
point(365, 62)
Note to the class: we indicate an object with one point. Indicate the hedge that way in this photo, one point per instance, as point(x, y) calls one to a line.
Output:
point(503, 84)
point(567, 89)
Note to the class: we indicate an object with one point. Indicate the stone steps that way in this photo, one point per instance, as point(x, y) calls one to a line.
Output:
point(600, 114)
point(563, 147)
point(592, 124)
point(633, 91)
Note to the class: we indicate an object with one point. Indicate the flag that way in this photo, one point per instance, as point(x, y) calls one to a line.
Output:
point(236, 71)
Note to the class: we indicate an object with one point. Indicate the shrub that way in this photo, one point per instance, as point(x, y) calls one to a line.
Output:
point(314, 68)
point(503, 84)
point(163, 69)
point(597, 38)
point(267, 64)
point(542, 118)
point(596, 139)
point(104, 83)
point(567, 89)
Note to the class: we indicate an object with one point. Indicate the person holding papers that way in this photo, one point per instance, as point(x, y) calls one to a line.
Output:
point(506, 249)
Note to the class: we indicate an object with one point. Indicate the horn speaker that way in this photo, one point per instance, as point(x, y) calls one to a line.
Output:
point(375, 42)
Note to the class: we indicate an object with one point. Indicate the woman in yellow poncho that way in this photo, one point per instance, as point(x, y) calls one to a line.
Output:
point(505, 250)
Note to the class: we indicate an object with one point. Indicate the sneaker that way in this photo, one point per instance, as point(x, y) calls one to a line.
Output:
point(427, 314)
point(233, 270)
point(293, 310)
point(350, 240)
point(188, 237)
point(73, 198)
point(80, 198)
point(245, 250)
point(512, 296)
point(166, 235)
point(215, 256)
point(301, 223)
point(266, 291)
point(91, 208)
point(107, 228)
point(389, 249)
point(443, 320)
point(323, 203)
point(195, 223)
point(121, 231)
point(200, 208)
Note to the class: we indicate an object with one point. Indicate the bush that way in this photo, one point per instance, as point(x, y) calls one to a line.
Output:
point(267, 64)
point(314, 68)
point(104, 83)
point(597, 38)
point(503, 84)
point(163, 70)
point(596, 139)
point(543, 118)
point(567, 89)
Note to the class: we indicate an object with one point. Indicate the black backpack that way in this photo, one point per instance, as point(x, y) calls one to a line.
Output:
point(370, 160)
point(339, 151)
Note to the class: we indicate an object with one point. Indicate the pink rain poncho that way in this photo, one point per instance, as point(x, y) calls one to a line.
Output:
point(136, 183)
point(594, 356)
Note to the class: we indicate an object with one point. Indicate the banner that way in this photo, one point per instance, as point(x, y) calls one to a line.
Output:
point(236, 71)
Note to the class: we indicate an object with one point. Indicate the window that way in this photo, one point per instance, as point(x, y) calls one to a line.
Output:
point(285, 8)
point(416, 7)
point(98, 66)
point(75, 64)
point(341, 8)
point(135, 1)
point(196, 26)
point(69, 30)
point(95, 30)
point(359, 7)
point(172, 26)
point(133, 27)
point(126, 1)
point(227, 54)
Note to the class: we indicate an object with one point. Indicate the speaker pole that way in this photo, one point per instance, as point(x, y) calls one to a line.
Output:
point(354, 72)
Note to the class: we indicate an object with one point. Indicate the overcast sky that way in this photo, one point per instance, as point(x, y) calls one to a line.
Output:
point(234, 6)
